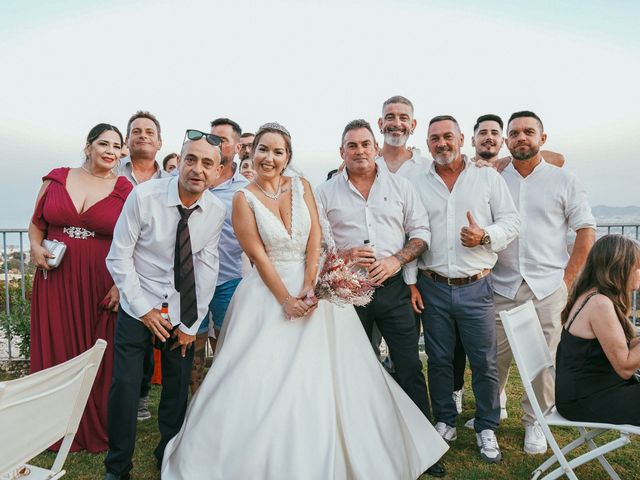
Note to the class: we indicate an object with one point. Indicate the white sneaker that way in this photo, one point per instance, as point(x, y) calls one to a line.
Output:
point(534, 441)
point(470, 423)
point(457, 398)
point(503, 405)
point(448, 434)
point(489, 449)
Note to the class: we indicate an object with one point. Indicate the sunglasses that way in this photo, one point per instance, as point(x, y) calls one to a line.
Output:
point(209, 137)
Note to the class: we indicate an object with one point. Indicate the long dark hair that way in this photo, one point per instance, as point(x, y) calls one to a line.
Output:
point(607, 270)
point(99, 129)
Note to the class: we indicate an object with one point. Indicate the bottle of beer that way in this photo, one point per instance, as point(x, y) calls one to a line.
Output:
point(164, 313)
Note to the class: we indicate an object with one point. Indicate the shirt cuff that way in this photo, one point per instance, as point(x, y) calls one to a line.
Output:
point(139, 307)
point(192, 330)
point(498, 238)
point(410, 273)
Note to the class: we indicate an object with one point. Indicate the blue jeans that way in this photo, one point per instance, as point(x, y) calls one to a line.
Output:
point(469, 310)
point(219, 304)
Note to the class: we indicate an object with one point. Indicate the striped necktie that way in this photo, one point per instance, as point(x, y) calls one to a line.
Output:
point(184, 278)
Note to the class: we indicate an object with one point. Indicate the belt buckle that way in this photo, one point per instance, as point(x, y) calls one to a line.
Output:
point(78, 232)
point(449, 282)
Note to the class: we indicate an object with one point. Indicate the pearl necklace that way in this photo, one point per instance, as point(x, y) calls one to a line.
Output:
point(272, 196)
point(109, 175)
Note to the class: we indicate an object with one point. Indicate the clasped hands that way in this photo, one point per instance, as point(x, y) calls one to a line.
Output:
point(301, 306)
point(379, 270)
point(161, 328)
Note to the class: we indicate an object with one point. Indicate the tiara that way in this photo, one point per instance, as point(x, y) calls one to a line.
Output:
point(274, 126)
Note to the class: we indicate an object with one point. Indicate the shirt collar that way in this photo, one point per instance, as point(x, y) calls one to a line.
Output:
point(173, 198)
point(237, 177)
point(126, 163)
point(379, 172)
point(538, 168)
point(416, 156)
point(465, 160)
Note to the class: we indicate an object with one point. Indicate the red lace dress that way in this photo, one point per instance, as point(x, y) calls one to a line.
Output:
point(66, 312)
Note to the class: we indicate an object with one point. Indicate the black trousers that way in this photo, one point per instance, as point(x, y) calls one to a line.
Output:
point(132, 340)
point(147, 371)
point(459, 363)
point(391, 310)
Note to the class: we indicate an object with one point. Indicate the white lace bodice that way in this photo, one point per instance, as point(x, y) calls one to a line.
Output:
point(280, 246)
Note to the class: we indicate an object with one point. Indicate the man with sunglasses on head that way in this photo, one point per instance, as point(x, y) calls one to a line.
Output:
point(165, 249)
point(223, 188)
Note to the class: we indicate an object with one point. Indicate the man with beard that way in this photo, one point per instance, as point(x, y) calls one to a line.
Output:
point(245, 146)
point(397, 125)
point(472, 217)
point(537, 265)
point(487, 140)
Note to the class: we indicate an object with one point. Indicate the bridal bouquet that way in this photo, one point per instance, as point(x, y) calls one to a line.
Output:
point(342, 283)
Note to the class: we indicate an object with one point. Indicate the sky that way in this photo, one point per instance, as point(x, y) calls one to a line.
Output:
point(314, 66)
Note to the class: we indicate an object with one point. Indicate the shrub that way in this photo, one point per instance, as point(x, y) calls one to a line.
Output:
point(18, 323)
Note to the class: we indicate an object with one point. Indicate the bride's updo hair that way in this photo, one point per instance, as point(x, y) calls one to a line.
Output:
point(274, 127)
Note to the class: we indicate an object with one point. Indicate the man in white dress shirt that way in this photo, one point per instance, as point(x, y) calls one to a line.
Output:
point(537, 265)
point(472, 217)
point(377, 218)
point(396, 125)
point(488, 140)
point(150, 266)
point(223, 188)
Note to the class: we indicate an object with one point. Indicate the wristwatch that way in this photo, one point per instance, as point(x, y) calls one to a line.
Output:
point(486, 239)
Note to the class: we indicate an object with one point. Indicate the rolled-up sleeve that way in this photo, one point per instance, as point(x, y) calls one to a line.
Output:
point(577, 208)
point(120, 258)
point(416, 219)
point(206, 268)
point(506, 223)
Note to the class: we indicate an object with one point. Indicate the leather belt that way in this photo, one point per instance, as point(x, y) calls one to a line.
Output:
point(455, 281)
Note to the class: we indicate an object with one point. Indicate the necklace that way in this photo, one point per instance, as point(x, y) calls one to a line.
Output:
point(272, 196)
point(109, 175)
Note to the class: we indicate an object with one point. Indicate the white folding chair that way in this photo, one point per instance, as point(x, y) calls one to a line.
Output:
point(38, 410)
point(532, 357)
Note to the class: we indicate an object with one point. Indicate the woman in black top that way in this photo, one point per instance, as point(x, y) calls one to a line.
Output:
point(599, 352)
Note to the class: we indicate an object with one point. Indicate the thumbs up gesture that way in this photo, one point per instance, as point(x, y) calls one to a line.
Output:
point(471, 235)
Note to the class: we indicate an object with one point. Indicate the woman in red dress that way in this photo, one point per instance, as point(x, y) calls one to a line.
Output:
point(73, 305)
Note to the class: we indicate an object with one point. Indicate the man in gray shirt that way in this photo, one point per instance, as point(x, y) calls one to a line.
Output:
point(144, 141)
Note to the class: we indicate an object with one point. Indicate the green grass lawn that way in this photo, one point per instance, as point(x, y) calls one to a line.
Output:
point(462, 460)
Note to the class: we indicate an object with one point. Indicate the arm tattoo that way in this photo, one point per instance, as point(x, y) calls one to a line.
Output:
point(411, 250)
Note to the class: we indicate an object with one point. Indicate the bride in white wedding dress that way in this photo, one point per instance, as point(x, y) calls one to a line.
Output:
point(300, 398)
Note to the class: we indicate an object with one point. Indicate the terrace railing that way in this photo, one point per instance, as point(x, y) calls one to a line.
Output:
point(18, 237)
point(11, 237)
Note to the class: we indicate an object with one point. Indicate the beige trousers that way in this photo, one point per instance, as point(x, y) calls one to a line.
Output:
point(548, 310)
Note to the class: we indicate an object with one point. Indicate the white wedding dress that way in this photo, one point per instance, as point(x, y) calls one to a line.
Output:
point(302, 399)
